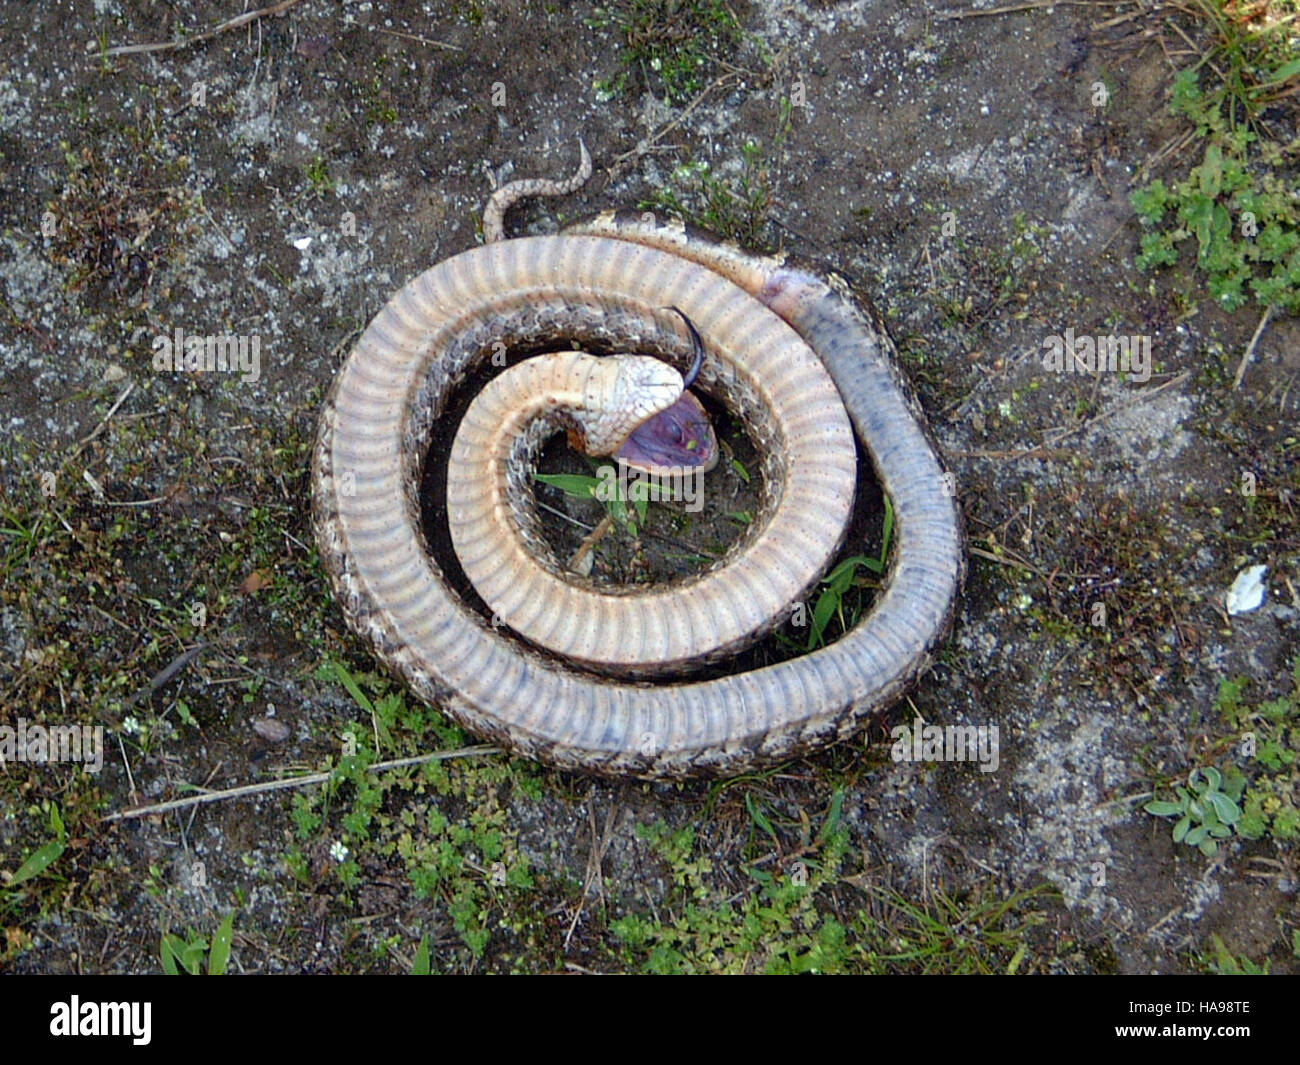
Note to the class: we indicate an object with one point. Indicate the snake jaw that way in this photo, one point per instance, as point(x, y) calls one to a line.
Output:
point(680, 438)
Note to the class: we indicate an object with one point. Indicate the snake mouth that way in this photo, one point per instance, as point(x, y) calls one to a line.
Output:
point(679, 439)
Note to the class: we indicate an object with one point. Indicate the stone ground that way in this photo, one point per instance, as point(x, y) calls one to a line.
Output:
point(957, 168)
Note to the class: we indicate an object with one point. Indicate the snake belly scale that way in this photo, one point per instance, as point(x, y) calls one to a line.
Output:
point(789, 347)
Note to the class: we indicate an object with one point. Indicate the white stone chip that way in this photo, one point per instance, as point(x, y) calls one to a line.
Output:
point(1247, 591)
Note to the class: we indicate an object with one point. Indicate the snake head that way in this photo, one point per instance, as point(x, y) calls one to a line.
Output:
point(679, 438)
point(636, 409)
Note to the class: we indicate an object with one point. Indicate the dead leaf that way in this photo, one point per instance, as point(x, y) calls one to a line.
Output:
point(254, 582)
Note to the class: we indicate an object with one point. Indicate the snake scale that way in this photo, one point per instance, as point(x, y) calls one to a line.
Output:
point(789, 349)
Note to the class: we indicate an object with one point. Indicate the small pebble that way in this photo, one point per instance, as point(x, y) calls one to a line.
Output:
point(271, 730)
point(1247, 591)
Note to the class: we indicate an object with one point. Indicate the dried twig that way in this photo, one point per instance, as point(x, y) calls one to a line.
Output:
point(81, 446)
point(46, 342)
point(948, 16)
point(599, 845)
point(1250, 348)
point(1141, 397)
point(422, 40)
point(580, 560)
point(641, 149)
point(166, 673)
point(1012, 561)
point(293, 782)
point(229, 24)
point(1016, 453)
point(1171, 148)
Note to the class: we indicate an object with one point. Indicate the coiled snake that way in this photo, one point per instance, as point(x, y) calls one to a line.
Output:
point(788, 349)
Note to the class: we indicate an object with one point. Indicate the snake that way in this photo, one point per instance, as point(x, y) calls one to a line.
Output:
point(612, 680)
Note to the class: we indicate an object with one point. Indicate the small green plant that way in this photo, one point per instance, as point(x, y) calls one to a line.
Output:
point(1206, 814)
point(607, 491)
point(1225, 963)
point(318, 173)
point(672, 46)
point(421, 965)
point(791, 919)
point(775, 928)
point(981, 933)
point(1238, 201)
point(1252, 52)
point(379, 108)
point(735, 208)
point(830, 603)
point(975, 278)
point(123, 212)
point(446, 822)
point(24, 531)
point(1268, 735)
point(177, 953)
point(44, 856)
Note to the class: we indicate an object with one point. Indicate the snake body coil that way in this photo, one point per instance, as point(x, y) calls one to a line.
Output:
point(788, 349)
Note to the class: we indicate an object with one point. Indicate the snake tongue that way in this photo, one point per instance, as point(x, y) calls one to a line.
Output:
point(677, 438)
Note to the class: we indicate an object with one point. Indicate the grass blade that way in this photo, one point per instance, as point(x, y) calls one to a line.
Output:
point(40, 860)
point(219, 955)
